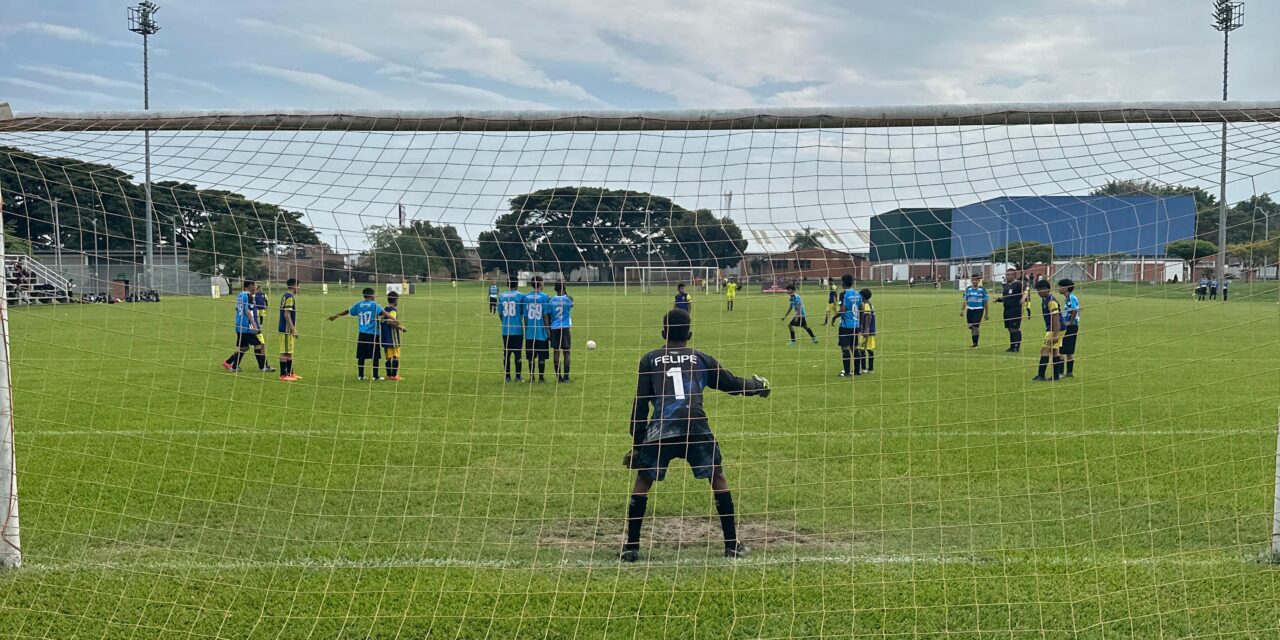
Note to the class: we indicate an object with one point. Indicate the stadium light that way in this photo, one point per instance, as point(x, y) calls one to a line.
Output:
point(1227, 17)
point(142, 22)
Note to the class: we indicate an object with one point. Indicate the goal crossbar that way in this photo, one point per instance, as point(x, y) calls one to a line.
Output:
point(1053, 113)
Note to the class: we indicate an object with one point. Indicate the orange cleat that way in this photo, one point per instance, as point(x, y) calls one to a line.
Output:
point(286, 378)
point(396, 378)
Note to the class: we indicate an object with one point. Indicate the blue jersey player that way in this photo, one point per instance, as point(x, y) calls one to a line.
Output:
point(248, 329)
point(511, 311)
point(536, 323)
point(368, 314)
point(801, 319)
point(493, 298)
point(560, 308)
point(683, 302)
point(850, 320)
point(1070, 325)
point(668, 422)
point(975, 307)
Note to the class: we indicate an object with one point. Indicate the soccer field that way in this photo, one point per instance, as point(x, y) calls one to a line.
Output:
point(945, 496)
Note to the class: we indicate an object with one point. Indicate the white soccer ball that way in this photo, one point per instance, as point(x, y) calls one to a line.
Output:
point(591, 345)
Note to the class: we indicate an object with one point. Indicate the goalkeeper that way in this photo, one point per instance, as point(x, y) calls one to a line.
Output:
point(671, 380)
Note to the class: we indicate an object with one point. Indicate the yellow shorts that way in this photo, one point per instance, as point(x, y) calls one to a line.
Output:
point(1050, 342)
point(287, 343)
point(867, 343)
point(391, 352)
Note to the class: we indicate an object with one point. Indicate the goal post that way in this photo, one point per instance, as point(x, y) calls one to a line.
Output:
point(644, 279)
point(144, 449)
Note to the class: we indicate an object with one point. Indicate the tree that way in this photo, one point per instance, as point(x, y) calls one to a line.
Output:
point(1191, 251)
point(1257, 253)
point(564, 228)
point(417, 249)
point(95, 197)
point(806, 238)
point(231, 246)
point(700, 239)
point(1023, 254)
point(14, 245)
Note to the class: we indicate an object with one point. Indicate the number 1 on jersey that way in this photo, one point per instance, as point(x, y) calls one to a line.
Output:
point(677, 380)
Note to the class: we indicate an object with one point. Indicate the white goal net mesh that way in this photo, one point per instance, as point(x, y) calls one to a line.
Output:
point(420, 466)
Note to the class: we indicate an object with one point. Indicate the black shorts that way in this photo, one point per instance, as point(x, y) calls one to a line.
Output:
point(1068, 347)
point(799, 321)
point(561, 339)
point(973, 317)
point(248, 340)
point(493, 303)
point(367, 346)
point(1013, 318)
point(536, 348)
point(513, 342)
point(651, 459)
point(848, 337)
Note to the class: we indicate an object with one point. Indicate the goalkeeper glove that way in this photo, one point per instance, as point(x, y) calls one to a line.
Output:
point(628, 459)
point(765, 389)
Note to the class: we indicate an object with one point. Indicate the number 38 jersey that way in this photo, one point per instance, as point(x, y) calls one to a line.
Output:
point(671, 381)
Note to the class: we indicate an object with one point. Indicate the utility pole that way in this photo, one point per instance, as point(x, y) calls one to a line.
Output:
point(142, 22)
point(1227, 17)
point(57, 235)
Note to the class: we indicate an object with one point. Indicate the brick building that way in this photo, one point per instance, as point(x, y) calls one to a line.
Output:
point(805, 265)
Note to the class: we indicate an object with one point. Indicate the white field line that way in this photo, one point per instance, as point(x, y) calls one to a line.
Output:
point(427, 435)
point(337, 564)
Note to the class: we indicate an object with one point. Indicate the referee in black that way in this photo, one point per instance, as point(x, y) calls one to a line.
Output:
point(1011, 294)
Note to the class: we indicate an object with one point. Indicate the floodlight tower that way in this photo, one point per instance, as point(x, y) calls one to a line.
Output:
point(142, 22)
point(1227, 17)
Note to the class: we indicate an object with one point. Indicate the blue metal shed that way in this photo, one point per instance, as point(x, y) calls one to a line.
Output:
point(1074, 225)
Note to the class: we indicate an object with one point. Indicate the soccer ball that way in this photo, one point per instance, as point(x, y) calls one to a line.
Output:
point(591, 345)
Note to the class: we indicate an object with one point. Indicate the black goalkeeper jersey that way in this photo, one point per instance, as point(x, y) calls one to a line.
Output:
point(668, 400)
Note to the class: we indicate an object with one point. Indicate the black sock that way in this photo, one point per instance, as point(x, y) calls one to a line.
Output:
point(360, 367)
point(871, 361)
point(857, 361)
point(566, 365)
point(235, 359)
point(809, 331)
point(262, 359)
point(1017, 340)
point(1044, 363)
point(542, 367)
point(284, 367)
point(1071, 366)
point(231, 359)
point(975, 339)
point(519, 364)
point(1057, 367)
point(635, 519)
point(844, 357)
point(376, 362)
point(728, 520)
point(792, 331)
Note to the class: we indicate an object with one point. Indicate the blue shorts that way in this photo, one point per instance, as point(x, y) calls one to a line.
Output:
point(651, 459)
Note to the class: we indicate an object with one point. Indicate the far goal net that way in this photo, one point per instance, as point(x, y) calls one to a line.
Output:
point(375, 374)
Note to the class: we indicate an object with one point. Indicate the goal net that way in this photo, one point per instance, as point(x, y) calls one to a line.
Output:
point(644, 279)
point(195, 455)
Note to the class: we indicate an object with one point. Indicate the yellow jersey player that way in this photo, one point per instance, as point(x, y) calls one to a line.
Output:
point(867, 333)
point(288, 328)
point(391, 329)
point(730, 292)
point(1052, 312)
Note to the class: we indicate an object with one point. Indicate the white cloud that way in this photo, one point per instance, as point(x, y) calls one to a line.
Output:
point(189, 82)
point(448, 95)
point(93, 96)
point(323, 83)
point(457, 43)
point(64, 32)
point(81, 78)
point(319, 42)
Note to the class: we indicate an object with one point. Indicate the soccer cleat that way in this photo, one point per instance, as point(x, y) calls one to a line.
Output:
point(629, 556)
point(295, 376)
point(378, 378)
point(791, 344)
point(815, 340)
point(1068, 375)
point(844, 374)
point(766, 388)
point(738, 550)
point(268, 369)
point(361, 378)
point(508, 378)
point(395, 378)
point(1039, 379)
point(228, 366)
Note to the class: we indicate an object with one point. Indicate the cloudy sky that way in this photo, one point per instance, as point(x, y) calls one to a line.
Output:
point(575, 54)
point(61, 55)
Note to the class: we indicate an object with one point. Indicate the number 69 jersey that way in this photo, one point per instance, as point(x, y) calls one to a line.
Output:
point(670, 383)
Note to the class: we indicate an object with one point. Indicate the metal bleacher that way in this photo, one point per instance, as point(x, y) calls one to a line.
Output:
point(31, 282)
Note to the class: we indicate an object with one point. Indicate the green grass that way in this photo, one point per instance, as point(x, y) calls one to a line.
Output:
point(946, 496)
